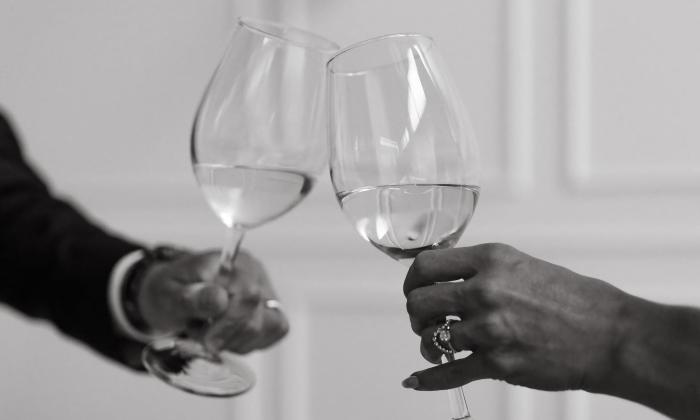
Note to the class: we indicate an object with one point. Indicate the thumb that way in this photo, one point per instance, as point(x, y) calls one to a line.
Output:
point(203, 301)
point(449, 375)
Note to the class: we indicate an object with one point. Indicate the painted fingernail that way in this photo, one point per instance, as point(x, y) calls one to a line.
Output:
point(410, 382)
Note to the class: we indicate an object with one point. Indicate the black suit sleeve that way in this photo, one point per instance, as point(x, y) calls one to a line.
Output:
point(54, 263)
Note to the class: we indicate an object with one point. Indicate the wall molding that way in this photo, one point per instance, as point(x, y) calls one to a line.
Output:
point(294, 368)
point(519, 99)
point(520, 403)
point(577, 93)
point(577, 405)
point(580, 170)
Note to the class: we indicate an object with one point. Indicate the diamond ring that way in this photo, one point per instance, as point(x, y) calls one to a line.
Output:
point(442, 337)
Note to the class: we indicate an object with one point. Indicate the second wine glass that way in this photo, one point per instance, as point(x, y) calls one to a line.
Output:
point(404, 160)
point(258, 141)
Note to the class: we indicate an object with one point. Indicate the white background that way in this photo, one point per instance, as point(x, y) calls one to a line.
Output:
point(586, 113)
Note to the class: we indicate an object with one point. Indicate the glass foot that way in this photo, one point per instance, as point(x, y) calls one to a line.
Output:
point(186, 365)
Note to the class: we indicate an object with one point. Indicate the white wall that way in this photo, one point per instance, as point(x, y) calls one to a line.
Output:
point(586, 116)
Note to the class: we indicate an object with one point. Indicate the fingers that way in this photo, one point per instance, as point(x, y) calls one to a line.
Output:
point(272, 327)
point(248, 324)
point(203, 301)
point(432, 293)
point(432, 267)
point(242, 313)
point(450, 375)
point(429, 305)
point(260, 330)
point(268, 325)
point(243, 337)
point(169, 303)
point(276, 327)
point(430, 352)
point(486, 328)
point(187, 294)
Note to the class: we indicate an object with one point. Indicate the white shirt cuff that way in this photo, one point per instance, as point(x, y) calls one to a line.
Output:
point(116, 284)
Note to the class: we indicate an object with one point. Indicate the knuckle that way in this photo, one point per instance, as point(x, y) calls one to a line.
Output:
point(413, 302)
point(495, 330)
point(492, 328)
point(503, 365)
point(415, 307)
point(486, 292)
point(496, 252)
point(423, 262)
point(463, 293)
point(504, 256)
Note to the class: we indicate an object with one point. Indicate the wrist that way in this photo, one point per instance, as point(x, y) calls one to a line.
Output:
point(644, 332)
point(628, 327)
point(126, 290)
point(131, 291)
point(117, 290)
point(614, 323)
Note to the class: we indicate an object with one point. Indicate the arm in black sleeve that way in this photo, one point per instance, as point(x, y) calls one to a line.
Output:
point(54, 263)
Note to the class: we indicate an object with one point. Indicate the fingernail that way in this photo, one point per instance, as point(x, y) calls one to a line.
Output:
point(410, 382)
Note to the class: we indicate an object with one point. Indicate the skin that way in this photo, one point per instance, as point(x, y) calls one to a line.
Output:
point(539, 325)
point(226, 309)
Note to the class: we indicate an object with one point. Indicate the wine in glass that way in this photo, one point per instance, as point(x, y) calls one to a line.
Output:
point(258, 141)
point(403, 161)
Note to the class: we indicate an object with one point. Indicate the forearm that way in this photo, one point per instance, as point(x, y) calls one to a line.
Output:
point(84, 256)
point(658, 358)
point(55, 264)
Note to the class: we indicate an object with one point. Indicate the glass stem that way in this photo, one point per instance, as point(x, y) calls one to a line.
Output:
point(458, 402)
point(234, 236)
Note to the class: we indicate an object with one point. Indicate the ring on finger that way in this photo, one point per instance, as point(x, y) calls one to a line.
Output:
point(442, 338)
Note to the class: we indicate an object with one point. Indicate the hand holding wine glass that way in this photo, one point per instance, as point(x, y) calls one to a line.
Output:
point(403, 161)
point(257, 143)
point(173, 294)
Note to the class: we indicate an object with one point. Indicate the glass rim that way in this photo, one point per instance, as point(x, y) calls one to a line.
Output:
point(377, 39)
point(317, 42)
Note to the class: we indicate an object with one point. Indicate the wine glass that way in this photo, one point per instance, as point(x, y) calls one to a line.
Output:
point(258, 141)
point(403, 161)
